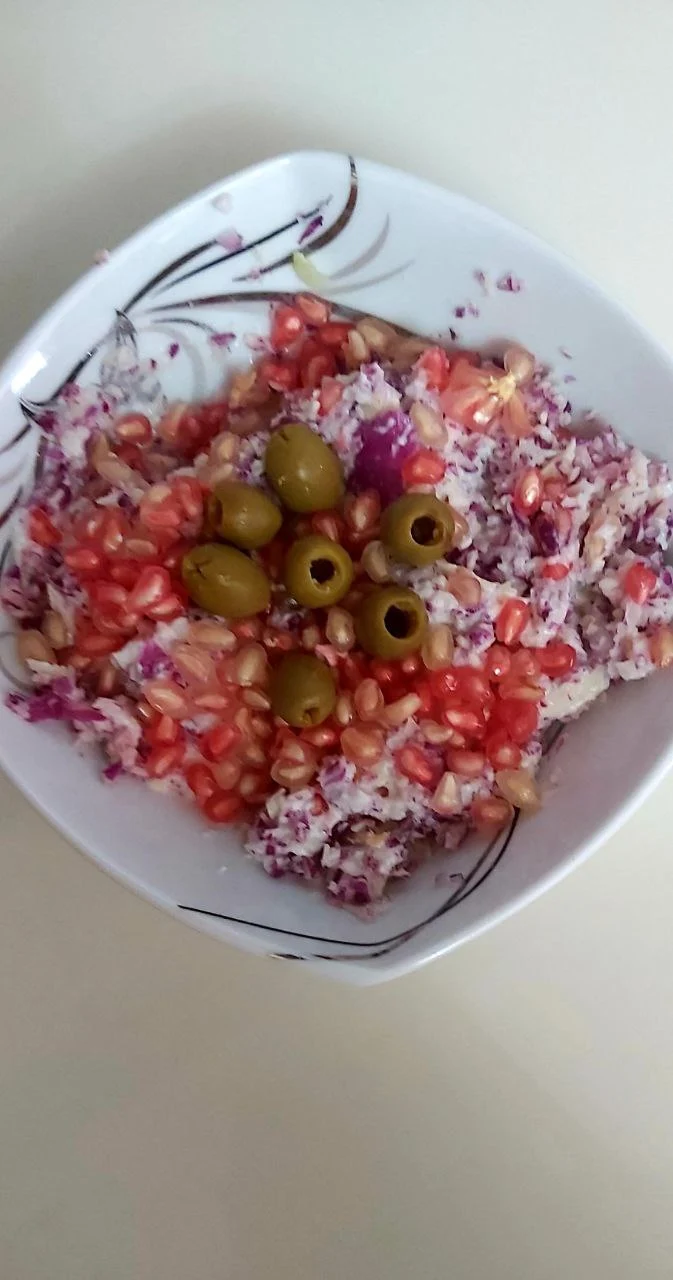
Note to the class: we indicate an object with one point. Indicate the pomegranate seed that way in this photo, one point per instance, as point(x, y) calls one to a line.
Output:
point(253, 753)
point(511, 621)
point(256, 699)
point(438, 735)
point(555, 571)
point(557, 658)
point(125, 572)
point(363, 746)
point(339, 629)
point(334, 333)
point(218, 741)
point(639, 582)
point(661, 647)
point(164, 760)
point(330, 524)
point(200, 780)
point(497, 663)
point(490, 812)
point(92, 644)
point(526, 665)
point(252, 787)
point(84, 561)
point(222, 806)
point(323, 737)
point(287, 326)
point(411, 761)
point(227, 774)
point(41, 529)
point(188, 493)
point(519, 691)
point(501, 752)
point(353, 669)
point(163, 731)
point(167, 698)
point(470, 721)
point(152, 586)
point(518, 717)
point(247, 629)
point(168, 609)
point(426, 698)
point(212, 700)
point(314, 310)
point(361, 511)
point(423, 467)
point(468, 764)
point(517, 786)
point(528, 493)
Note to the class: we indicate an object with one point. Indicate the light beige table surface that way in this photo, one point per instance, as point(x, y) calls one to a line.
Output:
point(170, 1109)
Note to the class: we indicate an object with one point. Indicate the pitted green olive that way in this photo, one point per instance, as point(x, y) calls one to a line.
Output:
point(318, 572)
point(302, 690)
point(304, 471)
point(225, 582)
point(417, 528)
point(391, 622)
point(242, 514)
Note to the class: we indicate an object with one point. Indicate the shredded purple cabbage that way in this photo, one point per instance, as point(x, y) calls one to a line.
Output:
point(385, 443)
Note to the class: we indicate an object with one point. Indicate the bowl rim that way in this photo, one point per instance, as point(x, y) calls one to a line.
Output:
point(365, 971)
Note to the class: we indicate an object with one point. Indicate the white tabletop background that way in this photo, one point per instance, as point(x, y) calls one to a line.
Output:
point(171, 1109)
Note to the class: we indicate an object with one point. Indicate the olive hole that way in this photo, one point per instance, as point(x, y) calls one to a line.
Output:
point(311, 715)
point(398, 622)
point(322, 571)
point(425, 531)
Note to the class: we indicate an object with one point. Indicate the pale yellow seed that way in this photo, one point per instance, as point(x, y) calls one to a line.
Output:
point(343, 710)
point(250, 665)
point(374, 561)
point(446, 798)
point(368, 700)
point(310, 637)
point(429, 426)
point(340, 629)
point(357, 350)
point(396, 713)
point(31, 646)
point(436, 734)
point(437, 648)
point(55, 630)
point(211, 635)
point(256, 699)
point(224, 448)
point(517, 786)
point(378, 335)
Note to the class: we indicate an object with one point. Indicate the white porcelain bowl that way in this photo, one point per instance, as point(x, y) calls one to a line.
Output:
point(408, 252)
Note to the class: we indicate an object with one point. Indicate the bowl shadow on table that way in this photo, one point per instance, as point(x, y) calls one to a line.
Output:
point(120, 192)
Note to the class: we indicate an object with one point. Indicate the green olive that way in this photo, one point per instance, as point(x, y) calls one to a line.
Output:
point(391, 622)
point(302, 690)
point(223, 581)
point(242, 514)
point(318, 572)
point(304, 471)
point(417, 528)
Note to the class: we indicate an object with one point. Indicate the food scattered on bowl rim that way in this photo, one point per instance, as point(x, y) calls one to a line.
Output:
point(342, 602)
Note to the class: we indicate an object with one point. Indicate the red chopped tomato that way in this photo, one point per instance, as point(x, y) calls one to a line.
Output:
point(639, 582)
point(557, 658)
point(423, 467)
point(435, 365)
point(41, 529)
point(287, 327)
point(555, 571)
point(518, 717)
point(511, 621)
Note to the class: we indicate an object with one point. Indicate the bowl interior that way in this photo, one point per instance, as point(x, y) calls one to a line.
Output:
point(166, 317)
